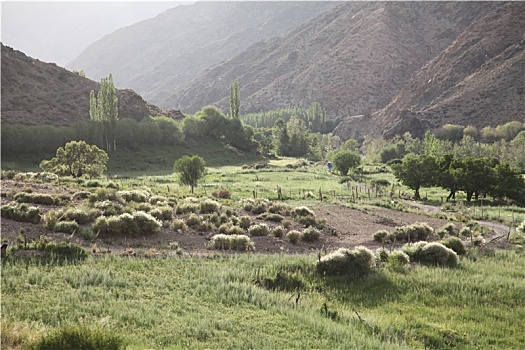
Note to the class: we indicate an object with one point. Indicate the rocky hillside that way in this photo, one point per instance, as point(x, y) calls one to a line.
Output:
point(35, 92)
point(479, 79)
point(353, 59)
point(155, 57)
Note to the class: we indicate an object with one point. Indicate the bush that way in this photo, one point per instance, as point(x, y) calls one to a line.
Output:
point(93, 183)
point(187, 207)
point(270, 217)
point(21, 213)
point(209, 206)
point(287, 223)
point(278, 231)
point(80, 215)
point(293, 236)
point(418, 231)
point(381, 236)
point(234, 242)
point(126, 224)
point(81, 195)
point(311, 234)
point(235, 230)
point(302, 211)
point(256, 206)
point(36, 198)
point(108, 208)
point(381, 254)
point(245, 222)
point(154, 200)
point(178, 224)
point(447, 229)
point(455, 244)
point(102, 194)
point(66, 227)
point(80, 338)
point(134, 196)
point(194, 220)
point(162, 213)
point(222, 193)
point(465, 232)
point(356, 262)
point(435, 254)
point(398, 258)
point(259, 230)
point(277, 208)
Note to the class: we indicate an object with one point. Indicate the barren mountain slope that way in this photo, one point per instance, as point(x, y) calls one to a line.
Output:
point(38, 93)
point(352, 60)
point(478, 80)
point(156, 56)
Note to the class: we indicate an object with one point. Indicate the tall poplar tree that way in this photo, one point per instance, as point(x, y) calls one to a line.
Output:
point(103, 110)
point(235, 100)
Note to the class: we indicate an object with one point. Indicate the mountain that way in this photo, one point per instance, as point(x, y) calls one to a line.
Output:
point(39, 93)
point(352, 59)
point(156, 56)
point(479, 79)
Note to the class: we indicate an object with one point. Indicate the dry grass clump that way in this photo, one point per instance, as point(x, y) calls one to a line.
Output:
point(434, 254)
point(138, 223)
point(259, 230)
point(356, 262)
point(231, 242)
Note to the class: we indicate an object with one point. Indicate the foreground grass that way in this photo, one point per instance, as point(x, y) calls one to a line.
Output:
point(226, 302)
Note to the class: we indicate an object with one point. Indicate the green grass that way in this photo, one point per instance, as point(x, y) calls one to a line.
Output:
point(221, 303)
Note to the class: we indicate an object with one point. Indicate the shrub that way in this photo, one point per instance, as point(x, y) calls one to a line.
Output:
point(235, 230)
point(36, 198)
point(256, 206)
point(287, 223)
point(194, 220)
point(278, 231)
point(153, 200)
point(53, 252)
point(81, 195)
point(93, 183)
point(245, 222)
point(455, 244)
point(381, 254)
point(270, 217)
point(81, 338)
point(311, 234)
point(381, 236)
point(66, 227)
point(306, 221)
point(521, 228)
point(478, 240)
point(127, 224)
point(446, 229)
point(418, 231)
point(162, 213)
point(222, 193)
point(356, 262)
point(134, 196)
point(302, 211)
point(112, 185)
point(80, 215)
point(178, 224)
point(465, 232)
point(234, 242)
point(21, 213)
point(435, 254)
point(293, 236)
point(102, 194)
point(209, 206)
point(398, 258)
point(187, 207)
point(259, 230)
point(277, 208)
point(108, 207)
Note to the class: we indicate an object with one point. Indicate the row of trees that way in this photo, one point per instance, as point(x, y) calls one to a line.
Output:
point(476, 176)
point(103, 112)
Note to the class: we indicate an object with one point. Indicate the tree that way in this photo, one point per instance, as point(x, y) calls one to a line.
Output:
point(298, 133)
point(103, 109)
point(77, 158)
point(235, 100)
point(417, 171)
point(280, 137)
point(190, 170)
point(345, 160)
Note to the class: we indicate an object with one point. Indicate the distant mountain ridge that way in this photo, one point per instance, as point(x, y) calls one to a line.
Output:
point(155, 57)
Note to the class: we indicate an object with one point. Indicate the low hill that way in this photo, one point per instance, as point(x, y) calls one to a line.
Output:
point(39, 93)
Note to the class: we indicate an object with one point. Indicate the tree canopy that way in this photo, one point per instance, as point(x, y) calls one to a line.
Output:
point(76, 159)
point(345, 160)
point(190, 170)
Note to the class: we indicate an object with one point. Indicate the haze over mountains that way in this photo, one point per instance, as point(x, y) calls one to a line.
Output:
point(403, 65)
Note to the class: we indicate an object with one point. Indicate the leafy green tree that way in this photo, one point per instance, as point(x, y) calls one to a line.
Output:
point(281, 139)
point(191, 170)
point(345, 160)
point(474, 175)
point(298, 133)
point(77, 158)
point(103, 110)
point(417, 171)
point(235, 100)
point(508, 182)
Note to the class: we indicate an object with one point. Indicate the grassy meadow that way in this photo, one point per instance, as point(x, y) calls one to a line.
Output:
point(249, 301)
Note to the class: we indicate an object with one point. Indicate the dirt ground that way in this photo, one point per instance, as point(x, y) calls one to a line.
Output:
point(345, 227)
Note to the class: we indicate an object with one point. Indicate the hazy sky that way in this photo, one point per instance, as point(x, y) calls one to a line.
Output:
point(58, 31)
